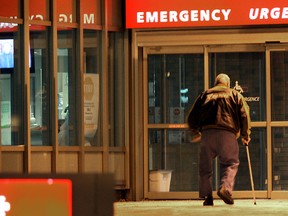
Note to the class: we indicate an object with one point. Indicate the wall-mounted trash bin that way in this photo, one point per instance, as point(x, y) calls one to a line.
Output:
point(159, 180)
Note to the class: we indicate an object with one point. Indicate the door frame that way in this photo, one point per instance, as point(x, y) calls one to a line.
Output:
point(145, 43)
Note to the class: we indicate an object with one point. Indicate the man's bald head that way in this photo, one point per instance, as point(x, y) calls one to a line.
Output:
point(223, 79)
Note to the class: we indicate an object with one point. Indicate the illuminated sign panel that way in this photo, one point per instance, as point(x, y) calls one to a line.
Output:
point(43, 197)
point(37, 11)
point(189, 13)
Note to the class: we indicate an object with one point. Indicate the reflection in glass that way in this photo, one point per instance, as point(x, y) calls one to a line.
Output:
point(279, 80)
point(91, 87)
point(6, 53)
point(12, 94)
point(66, 88)
point(6, 115)
point(39, 88)
point(174, 82)
point(246, 70)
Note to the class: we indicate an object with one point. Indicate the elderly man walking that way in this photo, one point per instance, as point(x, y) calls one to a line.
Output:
point(220, 115)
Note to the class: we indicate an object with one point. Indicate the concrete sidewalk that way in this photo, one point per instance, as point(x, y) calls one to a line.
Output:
point(195, 207)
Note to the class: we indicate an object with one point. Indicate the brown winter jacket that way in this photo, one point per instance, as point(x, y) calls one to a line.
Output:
point(223, 108)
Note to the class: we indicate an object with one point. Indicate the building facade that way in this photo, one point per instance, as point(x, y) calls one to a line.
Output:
point(63, 69)
point(92, 87)
point(178, 48)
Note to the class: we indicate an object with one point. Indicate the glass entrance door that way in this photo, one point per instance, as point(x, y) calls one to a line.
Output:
point(247, 71)
point(279, 117)
point(174, 81)
point(175, 77)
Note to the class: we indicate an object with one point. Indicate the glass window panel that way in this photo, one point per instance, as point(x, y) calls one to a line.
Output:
point(247, 71)
point(6, 115)
point(67, 88)
point(38, 10)
point(172, 150)
point(280, 158)
point(12, 94)
point(279, 80)
point(92, 70)
point(9, 9)
point(258, 158)
point(117, 88)
point(174, 82)
point(39, 87)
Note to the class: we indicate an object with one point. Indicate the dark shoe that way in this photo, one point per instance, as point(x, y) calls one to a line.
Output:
point(208, 201)
point(225, 196)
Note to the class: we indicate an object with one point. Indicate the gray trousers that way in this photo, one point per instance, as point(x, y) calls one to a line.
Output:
point(221, 143)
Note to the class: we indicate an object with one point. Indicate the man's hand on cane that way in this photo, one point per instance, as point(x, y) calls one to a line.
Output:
point(246, 141)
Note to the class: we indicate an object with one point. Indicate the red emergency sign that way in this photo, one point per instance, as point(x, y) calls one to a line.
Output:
point(189, 13)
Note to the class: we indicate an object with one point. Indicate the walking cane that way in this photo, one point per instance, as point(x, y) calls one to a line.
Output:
point(251, 175)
